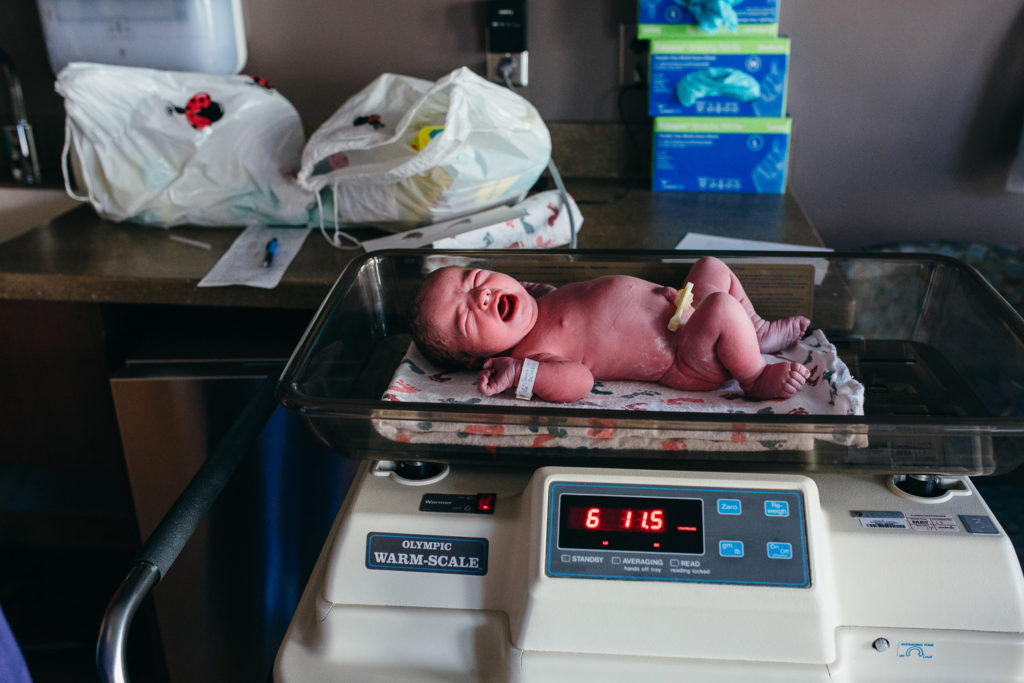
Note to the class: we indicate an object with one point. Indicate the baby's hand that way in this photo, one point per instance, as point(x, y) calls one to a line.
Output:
point(497, 375)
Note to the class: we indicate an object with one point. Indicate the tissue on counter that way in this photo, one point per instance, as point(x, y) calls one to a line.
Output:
point(741, 77)
point(694, 154)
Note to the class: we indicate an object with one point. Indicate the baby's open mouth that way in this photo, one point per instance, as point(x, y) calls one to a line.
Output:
point(506, 307)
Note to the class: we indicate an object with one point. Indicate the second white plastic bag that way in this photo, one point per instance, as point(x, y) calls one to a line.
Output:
point(405, 151)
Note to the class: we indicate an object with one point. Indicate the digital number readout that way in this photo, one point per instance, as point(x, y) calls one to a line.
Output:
point(616, 519)
point(673, 525)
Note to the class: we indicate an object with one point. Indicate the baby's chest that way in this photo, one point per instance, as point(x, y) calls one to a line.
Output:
point(624, 332)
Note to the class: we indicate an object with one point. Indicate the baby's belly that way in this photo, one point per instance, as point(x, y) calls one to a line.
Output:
point(645, 354)
point(617, 327)
point(645, 369)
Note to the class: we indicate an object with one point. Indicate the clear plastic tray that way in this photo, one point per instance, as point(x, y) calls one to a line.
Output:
point(940, 353)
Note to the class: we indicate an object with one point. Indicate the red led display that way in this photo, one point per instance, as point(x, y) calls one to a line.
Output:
point(599, 522)
point(616, 519)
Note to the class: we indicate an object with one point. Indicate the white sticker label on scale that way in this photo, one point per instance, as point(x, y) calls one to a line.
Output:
point(880, 519)
point(933, 523)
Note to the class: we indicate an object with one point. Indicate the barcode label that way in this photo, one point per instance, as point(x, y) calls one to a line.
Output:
point(875, 523)
point(880, 519)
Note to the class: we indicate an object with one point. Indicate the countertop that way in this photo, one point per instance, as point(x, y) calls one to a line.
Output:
point(80, 257)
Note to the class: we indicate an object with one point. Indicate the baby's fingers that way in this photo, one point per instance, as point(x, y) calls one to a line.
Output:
point(483, 380)
point(487, 382)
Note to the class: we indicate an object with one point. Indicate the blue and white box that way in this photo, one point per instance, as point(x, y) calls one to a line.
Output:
point(741, 77)
point(700, 19)
point(704, 154)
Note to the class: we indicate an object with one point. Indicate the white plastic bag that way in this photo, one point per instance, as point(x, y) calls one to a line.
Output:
point(169, 148)
point(405, 151)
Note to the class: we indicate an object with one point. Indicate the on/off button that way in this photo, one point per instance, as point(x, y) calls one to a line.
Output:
point(780, 551)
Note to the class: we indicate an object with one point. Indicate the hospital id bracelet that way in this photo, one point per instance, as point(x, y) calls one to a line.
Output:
point(527, 377)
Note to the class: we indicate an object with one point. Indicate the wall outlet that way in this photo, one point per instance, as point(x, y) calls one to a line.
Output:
point(505, 35)
point(520, 67)
point(633, 56)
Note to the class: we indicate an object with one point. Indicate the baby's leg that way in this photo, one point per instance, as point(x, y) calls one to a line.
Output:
point(719, 342)
point(710, 275)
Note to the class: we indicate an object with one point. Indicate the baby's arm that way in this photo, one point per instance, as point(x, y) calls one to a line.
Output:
point(558, 380)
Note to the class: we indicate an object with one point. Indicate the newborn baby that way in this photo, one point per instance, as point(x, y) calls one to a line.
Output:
point(610, 328)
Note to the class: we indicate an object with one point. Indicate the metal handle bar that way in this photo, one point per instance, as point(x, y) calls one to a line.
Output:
point(175, 529)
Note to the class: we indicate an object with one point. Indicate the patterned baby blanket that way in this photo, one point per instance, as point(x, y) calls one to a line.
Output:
point(830, 390)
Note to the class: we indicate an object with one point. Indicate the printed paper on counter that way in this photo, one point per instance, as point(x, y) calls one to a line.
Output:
point(242, 263)
point(701, 242)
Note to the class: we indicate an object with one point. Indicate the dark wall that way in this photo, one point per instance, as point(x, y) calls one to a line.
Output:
point(21, 37)
point(906, 113)
point(320, 51)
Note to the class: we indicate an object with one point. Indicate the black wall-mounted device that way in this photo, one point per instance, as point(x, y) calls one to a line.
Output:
point(506, 41)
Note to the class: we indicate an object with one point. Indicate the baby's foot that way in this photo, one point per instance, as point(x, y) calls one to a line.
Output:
point(777, 380)
point(778, 334)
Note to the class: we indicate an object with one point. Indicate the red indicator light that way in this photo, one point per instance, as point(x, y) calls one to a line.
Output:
point(604, 542)
point(657, 545)
point(686, 528)
point(485, 502)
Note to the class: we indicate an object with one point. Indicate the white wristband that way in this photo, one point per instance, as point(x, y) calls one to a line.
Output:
point(527, 376)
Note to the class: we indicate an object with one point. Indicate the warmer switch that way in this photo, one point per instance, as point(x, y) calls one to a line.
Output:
point(485, 503)
point(465, 503)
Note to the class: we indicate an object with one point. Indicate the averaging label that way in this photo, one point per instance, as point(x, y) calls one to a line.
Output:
point(414, 553)
point(933, 523)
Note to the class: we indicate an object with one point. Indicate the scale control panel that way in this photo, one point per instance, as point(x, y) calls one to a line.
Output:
point(751, 536)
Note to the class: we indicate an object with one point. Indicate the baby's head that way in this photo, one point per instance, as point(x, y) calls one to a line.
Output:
point(461, 317)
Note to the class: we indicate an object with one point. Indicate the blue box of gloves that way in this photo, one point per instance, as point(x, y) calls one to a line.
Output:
point(740, 77)
point(704, 154)
point(706, 18)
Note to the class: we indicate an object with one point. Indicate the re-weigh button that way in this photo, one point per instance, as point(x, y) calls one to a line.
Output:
point(776, 508)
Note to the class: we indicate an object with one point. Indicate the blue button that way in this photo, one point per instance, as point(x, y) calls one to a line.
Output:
point(780, 551)
point(776, 508)
point(730, 548)
point(729, 506)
